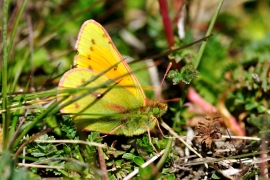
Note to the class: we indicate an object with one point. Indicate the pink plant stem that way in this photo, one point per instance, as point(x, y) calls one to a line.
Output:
point(194, 97)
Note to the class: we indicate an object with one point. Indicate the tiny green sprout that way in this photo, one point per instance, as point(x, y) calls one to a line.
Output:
point(156, 111)
point(187, 73)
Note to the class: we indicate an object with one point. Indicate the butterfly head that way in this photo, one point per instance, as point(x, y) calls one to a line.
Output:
point(159, 109)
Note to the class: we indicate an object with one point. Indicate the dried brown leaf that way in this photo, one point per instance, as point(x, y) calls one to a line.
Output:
point(209, 129)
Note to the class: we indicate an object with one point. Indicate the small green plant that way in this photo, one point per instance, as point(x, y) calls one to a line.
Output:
point(187, 73)
point(9, 171)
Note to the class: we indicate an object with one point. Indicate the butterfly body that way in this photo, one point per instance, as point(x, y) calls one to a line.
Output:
point(116, 104)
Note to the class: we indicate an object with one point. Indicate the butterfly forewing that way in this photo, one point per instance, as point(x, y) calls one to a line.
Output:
point(97, 52)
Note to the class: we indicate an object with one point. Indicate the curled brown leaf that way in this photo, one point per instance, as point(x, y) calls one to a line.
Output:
point(209, 129)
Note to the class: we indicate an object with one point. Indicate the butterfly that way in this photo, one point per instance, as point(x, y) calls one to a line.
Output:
point(117, 104)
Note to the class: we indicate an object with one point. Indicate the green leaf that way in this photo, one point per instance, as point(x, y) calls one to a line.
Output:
point(250, 106)
point(94, 137)
point(38, 154)
point(261, 109)
point(128, 156)
point(52, 122)
point(138, 160)
point(118, 163)
point(126, 146)
point(146, 173)
point(187, 73)
point(67, 126)
point(73, 167)
point(110, 162)
point(214, 176)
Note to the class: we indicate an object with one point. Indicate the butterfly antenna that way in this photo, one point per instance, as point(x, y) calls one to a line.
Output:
point(168, 68)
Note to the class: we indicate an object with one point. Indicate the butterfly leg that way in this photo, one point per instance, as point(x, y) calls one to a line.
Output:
point(115, 129)
point(159, 128)
point(150, 140)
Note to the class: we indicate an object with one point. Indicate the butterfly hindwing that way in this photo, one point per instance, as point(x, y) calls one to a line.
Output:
point(106, 107)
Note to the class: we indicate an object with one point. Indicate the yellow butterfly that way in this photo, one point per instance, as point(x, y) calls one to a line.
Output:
point(120, 108)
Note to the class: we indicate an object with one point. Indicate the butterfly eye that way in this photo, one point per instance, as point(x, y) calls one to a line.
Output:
point(156, 111)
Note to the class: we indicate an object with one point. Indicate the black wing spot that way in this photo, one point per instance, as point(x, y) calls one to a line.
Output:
point(90, 67)
point(91, 48)
point(93, 41)
point(76, 105)
point(115, 67)
point(82, 80)
point(88, 57)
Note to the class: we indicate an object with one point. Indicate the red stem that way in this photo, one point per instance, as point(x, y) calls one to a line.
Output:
point(166, 22)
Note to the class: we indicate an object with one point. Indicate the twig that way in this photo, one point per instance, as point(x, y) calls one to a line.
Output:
point(180, 138)
point(72, 142)
point(41, 166)
point(102, 164)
